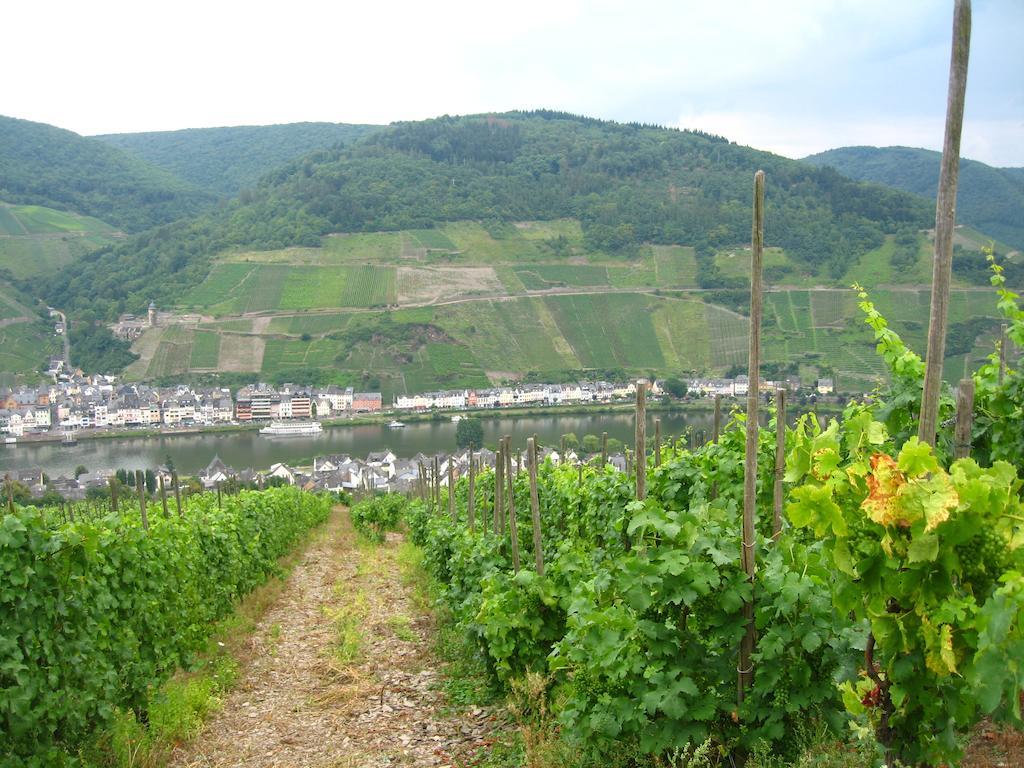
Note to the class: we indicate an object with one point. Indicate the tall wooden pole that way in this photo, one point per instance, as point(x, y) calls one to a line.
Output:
point(657, 442)
point(436, 486)
point(964, 419)
point(140, 486)
point(10, 493)
point(471, 500)
point(113, 494)
point(640, 435)
point(499, 489)
point(177, 493)
point(604, 449)
point(945, 220)
point(538, 550)
point(780, 459)
point(163, 496)
point(746, 667)
point(513, 528)
point(452, 512)
point(717, 426)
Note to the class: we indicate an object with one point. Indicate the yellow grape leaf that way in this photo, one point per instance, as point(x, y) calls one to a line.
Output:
point(884, 483)
point(938, 643)
point(941, 501)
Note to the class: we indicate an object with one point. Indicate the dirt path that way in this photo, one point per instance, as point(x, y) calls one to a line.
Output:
point(342, 674)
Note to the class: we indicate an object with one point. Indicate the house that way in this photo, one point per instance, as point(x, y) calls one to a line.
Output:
point(825, 386)
point(296, 403)
point(257, 402)
point(366, 402)
point(216, 472)
point(283, 472)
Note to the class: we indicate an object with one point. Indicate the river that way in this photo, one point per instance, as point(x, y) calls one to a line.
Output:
point(191, 453)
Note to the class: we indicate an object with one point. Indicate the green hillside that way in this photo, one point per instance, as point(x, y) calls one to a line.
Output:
point(990, 199)
point(226, 160)
point(48, 166)
point(384, 309)
point(626, 185)
point(26, 339)
point(35, 240)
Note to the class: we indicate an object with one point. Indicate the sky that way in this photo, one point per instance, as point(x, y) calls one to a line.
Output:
point(793, 77)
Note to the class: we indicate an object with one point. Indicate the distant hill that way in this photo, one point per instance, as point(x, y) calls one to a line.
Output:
point(52, 167)
point(626, 184)
point(990, 199)
point(36, 240)
point(226, 160)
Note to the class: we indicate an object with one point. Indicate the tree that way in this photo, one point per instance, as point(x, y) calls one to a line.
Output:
point(591, 443)
point(80, 470)
point(469, 431)
point(572, 443)
point(150, 481)
point(676, 387)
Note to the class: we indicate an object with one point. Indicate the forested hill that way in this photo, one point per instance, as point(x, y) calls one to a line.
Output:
point(44, 165)
point(226, 160)
point(990, 199)
point(627, 184)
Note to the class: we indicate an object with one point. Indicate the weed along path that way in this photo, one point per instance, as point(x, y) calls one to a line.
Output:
point(340, 673)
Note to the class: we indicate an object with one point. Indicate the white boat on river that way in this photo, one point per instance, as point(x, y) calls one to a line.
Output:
point(292, 429)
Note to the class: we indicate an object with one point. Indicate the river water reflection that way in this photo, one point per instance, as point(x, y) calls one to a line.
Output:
point(191, 453)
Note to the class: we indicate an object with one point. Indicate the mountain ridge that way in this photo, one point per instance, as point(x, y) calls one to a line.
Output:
point(988, 198)
point(224, 160)
point(41, 164)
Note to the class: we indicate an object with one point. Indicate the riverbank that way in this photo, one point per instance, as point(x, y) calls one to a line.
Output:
point(704, 405)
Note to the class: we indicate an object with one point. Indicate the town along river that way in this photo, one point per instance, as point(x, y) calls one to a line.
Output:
point(192, 452)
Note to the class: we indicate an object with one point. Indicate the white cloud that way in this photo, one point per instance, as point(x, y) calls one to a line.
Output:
point(807, 135)
point(802, 67)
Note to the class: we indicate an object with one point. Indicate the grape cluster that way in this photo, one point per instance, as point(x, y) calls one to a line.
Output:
point(983, 559)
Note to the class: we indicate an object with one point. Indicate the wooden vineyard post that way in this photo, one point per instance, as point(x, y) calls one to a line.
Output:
point(10, 493)
point(512, 527)
point(604, 450)
point(640, 439)
point(964, 419)
point(163, 496)
point(780, 459)
point(140, 485)
point(1003, 341)
point(717, 425)
point(538, 551)
point(471, 499)
point(218, 496)
point(113, 495)
point(657, 442)
point(629, 463)
point(745, 668)
point(435, 486)
point(499, 489)
point(177, 493)
point(945, 221)
point(452, 512)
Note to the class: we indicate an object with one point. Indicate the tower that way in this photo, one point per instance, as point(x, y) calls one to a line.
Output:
point(152, 314)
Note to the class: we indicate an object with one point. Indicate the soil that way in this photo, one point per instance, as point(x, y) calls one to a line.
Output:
point(302, 701)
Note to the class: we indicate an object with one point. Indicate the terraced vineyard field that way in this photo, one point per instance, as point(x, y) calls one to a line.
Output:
point(36, 240)
point(468, 303)
point(22, 345)
point(205, 350)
